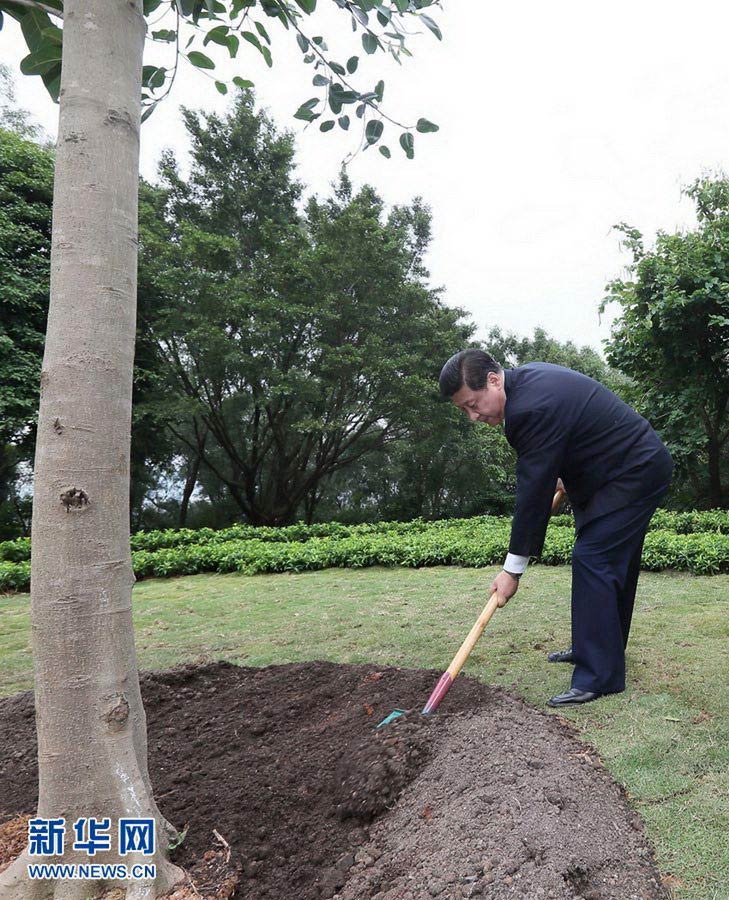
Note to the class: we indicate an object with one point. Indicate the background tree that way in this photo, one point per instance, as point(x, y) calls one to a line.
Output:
point(90, 719)
point(26, 196)
point(512, 350)
point(294, 344)
point(672, 338)
point(12, 117)
point(444, 467)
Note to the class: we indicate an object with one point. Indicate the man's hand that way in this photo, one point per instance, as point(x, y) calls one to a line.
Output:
point(506, 586)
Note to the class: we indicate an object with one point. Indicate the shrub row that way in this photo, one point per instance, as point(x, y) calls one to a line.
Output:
point(712, 521)
point(470, 544)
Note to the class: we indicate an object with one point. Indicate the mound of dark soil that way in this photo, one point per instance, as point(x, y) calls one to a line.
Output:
point(488, 798)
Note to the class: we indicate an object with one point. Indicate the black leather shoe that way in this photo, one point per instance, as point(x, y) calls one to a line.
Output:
point(572, 696)
point(561, 656)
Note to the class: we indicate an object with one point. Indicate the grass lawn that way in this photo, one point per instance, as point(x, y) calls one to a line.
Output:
point(665, 738)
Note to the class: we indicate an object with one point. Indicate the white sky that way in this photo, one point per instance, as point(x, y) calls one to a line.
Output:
point(557, 120)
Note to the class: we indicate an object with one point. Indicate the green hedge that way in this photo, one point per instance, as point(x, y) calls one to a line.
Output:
point(481, 541)
point(712, 521)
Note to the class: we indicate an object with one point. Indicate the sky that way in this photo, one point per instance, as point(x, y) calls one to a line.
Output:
point(557, 121)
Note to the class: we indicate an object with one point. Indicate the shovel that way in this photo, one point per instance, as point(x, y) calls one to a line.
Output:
point(451, 673)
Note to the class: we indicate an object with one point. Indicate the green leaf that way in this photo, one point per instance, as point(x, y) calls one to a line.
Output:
point(148, 111)
point(166, 34)
point(343, 122)
point(252, 39)
point(327, 125)
point(52, 81)
point(342, 95)
point(424, 126)
point(407, 142)
point(369, 42)
point(373, 131)
point(307, 5)
point(352, 64)
point(153, 76)
point(242, 83)
point(303, 42)
point(335, 104)
point(380, 90)
point(200, 60)
point(53, 34)
point(305, 113)
point(402, 5)
point(262, 31)
point(222, 87)
point(149, 6)
point(44, 40)
point(335, 67)
point(320, 80)
point(360, 15)
point(431, 24)
point(185, 7)
point(237, 7)
point(385, 151)
point(42, 60)
point(264, 51)
point(33, 23)
point(177, 840)
point(218, 35)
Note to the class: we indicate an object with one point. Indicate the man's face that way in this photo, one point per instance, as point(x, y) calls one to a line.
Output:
point(486, 405)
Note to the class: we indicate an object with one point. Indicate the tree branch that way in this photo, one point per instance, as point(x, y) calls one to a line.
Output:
point(32, 4)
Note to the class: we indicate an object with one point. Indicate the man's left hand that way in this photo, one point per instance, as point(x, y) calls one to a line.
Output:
point(506, 586)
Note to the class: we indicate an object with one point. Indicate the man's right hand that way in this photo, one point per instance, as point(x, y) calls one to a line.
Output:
point(505, 586)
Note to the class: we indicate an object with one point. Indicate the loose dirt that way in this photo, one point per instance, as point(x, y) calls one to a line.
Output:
point(281, 779)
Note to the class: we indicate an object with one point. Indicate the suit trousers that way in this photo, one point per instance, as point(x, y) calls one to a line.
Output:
point(605, 569)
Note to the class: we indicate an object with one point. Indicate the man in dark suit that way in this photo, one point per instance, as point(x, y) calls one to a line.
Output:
point(615, 470)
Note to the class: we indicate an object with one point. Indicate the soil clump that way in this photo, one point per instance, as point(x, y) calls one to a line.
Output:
point(288, 790)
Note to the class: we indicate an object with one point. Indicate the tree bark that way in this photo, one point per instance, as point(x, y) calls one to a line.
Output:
point(92, 746)
point(716, 493)
point(193, 470)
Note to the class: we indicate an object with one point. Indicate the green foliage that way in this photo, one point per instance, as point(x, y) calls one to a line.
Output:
point(13, 118)
point(672, 338)
point(301, 343)
point(207, 22)
point(511, 350)
point(476, 542)
point(26, 194)
point(14, 576)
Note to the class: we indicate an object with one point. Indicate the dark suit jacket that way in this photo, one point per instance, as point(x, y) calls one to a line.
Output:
point(563, 424)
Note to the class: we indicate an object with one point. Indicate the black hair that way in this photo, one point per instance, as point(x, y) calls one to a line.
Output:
point(470, 367)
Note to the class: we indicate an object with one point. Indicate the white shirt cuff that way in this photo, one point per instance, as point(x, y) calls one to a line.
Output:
point(516, 564)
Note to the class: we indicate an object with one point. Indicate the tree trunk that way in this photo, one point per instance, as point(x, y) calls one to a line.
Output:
point(716, 493)
point(190, 482)
point(92, 746)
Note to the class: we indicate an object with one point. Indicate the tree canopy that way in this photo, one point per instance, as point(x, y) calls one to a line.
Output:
point(672, 337)
point(295, 341)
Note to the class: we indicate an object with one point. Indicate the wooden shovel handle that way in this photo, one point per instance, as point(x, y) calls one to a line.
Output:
point(451, 673)
point(472, 637)
point(557, 501)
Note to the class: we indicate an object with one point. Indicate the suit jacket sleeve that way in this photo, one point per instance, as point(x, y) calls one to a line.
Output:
point(539, 438)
